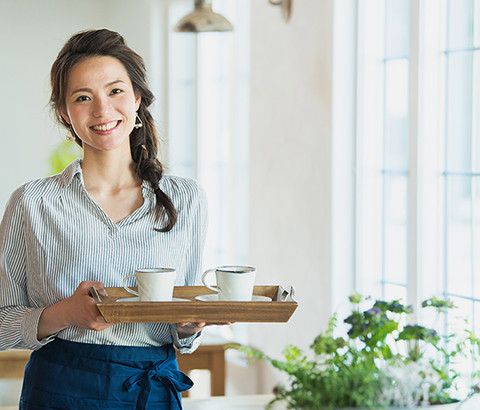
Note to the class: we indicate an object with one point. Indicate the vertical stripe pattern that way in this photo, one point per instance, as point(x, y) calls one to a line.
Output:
point(53, 236)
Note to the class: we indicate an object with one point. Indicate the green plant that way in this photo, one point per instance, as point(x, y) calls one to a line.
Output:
point(382, 361)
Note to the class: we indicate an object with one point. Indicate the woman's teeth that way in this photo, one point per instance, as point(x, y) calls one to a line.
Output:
point(105, 127)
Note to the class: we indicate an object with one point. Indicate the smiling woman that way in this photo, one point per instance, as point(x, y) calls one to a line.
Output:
point(115, 199)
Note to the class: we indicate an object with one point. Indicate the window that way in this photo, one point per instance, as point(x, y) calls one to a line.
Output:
point(208, 130)
point(208, 124)
point(418, 151)
point(461, 165)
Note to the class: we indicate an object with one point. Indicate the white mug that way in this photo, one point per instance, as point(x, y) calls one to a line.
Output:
point(233, 282)
point(154, 285)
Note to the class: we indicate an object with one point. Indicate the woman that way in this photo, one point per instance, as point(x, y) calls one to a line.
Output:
point(93, 224)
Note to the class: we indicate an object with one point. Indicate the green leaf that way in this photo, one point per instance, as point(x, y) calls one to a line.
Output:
point(355, 298)
point(441, 305)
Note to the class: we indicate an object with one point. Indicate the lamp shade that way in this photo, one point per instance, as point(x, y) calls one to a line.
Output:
point(203, 19)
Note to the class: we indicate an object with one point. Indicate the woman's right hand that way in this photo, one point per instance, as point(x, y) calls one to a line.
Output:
point(77, 310)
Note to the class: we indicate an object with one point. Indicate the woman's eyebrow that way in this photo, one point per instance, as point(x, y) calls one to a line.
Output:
point(89, 90)
point(81, 90)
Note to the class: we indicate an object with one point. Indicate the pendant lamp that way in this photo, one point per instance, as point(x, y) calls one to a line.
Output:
point(203, 19)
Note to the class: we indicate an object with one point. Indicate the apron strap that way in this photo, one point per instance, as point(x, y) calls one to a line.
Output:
point(163, 373)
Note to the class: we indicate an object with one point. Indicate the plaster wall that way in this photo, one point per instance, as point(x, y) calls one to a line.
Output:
point(290, 170)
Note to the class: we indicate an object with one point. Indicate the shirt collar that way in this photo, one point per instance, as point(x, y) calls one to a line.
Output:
point(75, 168)
point(70, 171)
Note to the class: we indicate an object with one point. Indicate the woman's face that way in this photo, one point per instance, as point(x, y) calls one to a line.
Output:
point(100, 104)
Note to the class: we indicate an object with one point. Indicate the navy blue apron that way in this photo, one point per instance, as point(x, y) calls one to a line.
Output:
point(71, 375)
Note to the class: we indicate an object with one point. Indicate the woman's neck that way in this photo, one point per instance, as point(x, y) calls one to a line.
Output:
point(109, 171)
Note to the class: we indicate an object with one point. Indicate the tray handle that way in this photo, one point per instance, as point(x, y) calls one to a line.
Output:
point(286, 294)
point(95, 295)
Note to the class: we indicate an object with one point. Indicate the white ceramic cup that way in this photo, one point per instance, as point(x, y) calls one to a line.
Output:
point(154, 285)
point(233, 282)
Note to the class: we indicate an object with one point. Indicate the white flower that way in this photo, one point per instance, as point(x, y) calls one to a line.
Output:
point(409, 384)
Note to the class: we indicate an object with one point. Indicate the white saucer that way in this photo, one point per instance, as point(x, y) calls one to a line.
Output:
point(213, 297)
point(135, 299)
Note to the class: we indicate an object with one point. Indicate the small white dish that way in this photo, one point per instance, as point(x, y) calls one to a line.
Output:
point(135, 299)
point(214, 298)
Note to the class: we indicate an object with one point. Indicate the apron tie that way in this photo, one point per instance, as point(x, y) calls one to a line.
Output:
point(163, 373)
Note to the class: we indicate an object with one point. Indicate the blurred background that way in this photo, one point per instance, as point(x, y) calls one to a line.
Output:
point(340, 149)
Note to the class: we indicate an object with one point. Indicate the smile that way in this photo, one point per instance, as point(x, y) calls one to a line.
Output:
point(105, 127)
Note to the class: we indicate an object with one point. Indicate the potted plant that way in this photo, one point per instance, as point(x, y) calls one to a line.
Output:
point(381, 362)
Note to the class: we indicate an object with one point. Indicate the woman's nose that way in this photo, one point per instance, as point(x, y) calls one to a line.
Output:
point(101, 107)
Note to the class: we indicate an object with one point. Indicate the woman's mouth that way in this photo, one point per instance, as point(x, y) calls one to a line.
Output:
point(106, 126)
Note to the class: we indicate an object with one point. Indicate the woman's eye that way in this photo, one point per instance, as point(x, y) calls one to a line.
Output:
point(82, 98)
point(116, 91)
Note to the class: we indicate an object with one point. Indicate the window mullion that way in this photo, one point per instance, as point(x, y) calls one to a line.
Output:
point(414, 197)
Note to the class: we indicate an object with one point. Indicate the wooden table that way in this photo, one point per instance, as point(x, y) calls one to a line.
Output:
point(12, 363)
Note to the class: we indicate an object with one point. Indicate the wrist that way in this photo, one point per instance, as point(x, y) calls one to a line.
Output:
point(52, 320)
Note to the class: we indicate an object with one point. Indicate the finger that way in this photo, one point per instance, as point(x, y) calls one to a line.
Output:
point(87, 284)
point(102, 326)
point(100, 318)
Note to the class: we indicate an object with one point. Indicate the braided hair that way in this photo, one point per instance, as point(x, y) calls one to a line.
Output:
point(144, 144)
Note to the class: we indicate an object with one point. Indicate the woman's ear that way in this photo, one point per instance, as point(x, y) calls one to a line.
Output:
point(65, 116)
point(138, 100)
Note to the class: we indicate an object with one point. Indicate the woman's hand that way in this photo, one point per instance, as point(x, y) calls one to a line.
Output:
point(78, 310)
point(185, 330)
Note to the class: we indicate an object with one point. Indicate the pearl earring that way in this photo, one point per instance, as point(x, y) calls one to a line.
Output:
point(69, 136)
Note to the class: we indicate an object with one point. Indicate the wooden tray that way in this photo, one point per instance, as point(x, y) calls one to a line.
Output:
point(279, 309)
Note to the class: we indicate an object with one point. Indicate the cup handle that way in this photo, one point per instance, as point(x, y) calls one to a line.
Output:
point(205, 284)
point(133, 292)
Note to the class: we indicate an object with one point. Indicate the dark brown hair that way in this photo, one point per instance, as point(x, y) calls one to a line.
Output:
point(143, 141)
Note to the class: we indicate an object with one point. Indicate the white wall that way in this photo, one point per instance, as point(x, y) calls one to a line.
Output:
point(290, 170)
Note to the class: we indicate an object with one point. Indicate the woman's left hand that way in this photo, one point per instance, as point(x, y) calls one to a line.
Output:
point(185, 330)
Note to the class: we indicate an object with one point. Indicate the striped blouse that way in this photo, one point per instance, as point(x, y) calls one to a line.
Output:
point(53, 236)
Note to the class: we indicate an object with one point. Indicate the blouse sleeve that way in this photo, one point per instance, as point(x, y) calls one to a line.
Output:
point(18, 321)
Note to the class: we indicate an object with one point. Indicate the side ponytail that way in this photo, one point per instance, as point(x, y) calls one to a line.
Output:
point(144, 149)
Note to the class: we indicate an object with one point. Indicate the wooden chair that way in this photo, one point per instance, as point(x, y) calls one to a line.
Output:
point(206, 357)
